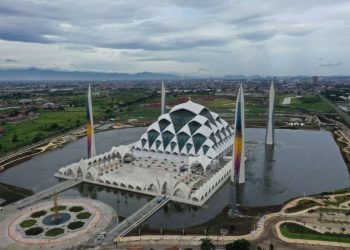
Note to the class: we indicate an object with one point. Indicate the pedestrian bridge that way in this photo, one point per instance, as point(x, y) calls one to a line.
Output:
point(137, 218)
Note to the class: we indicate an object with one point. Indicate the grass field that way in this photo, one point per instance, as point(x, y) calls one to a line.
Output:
point(305, 103)
point(296, 231)
point(48, 123)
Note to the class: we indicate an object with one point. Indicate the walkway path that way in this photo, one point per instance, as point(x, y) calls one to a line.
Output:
point(137, 218)
point(47, 193)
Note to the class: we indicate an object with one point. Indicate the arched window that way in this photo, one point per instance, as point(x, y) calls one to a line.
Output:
point(198, 140)
point(152, 136)
point(180, 118)
point(182, 138)
point(167, 137)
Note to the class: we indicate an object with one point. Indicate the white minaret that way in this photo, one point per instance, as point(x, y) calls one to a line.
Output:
point(238, 173)
point(270, 131)
point(90, 126)
point(163, 109)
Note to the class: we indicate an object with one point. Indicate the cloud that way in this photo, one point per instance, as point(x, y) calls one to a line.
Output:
point(9, 60)
point(260, 36)
point(331, 64)
point(270, 33)
point(203, 70)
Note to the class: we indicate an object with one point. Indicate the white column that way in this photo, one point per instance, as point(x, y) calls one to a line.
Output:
point(270, 130)
point(163, 111)
point(93, 149)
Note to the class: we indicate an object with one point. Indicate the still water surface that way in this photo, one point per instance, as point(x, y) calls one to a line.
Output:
point(301, 162)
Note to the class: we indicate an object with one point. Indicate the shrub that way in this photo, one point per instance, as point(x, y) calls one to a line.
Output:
point(34, 231)
point(27, 223)
point(241, 244)
point(75, 225)
point(207, 244)
point(54, 232)
point(84, 215)
point(38, 214)
point(76, 209)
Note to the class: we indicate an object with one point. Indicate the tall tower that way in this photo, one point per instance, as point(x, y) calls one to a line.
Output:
point(90, 126)
point(238, 173)
point(163, 109)
point(270, 130)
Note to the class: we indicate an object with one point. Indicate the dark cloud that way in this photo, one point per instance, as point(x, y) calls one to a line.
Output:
point(252, 19)
point(176, 43)
point(203, 70)
point(258, 35)
point(331, 64)
point(9, 60)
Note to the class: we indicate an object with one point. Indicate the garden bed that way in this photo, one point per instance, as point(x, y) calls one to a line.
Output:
point(54, 232)
point(38, 214)
point(75, 225)
point(28, 223)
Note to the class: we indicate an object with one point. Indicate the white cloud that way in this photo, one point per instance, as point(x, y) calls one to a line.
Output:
point(181, 36)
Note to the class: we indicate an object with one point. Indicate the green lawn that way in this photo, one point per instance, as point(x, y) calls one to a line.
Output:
point(38, 214)
point(305, 103)
point(76, 209)
point(75, 225)
point(139, 113)
point(48, 123)
point(302, 205)
point(83, 215)
point(54, 232)
point(28, 223)
point(296, 231)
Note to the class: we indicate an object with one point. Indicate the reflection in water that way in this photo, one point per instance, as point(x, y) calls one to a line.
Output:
point(268, 167)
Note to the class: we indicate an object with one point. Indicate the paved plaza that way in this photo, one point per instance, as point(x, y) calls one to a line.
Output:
point(12, 238)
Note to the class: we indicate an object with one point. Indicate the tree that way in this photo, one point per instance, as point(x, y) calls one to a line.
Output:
point(207, 244)
point(241, 244)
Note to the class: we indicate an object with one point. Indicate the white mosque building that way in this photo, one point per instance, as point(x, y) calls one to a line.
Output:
point(186, 155)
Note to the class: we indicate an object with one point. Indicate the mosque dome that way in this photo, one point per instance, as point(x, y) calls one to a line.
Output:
point(189, 129)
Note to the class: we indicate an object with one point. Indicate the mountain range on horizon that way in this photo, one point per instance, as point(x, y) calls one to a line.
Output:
point(50, 74)
point(38, 74)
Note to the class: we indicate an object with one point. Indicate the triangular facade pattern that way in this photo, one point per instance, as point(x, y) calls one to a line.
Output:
point(189, 129)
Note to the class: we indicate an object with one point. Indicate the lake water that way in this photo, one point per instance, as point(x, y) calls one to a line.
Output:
point(302, 162)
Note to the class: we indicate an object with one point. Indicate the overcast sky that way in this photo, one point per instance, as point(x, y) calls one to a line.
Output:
point(189, 37)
